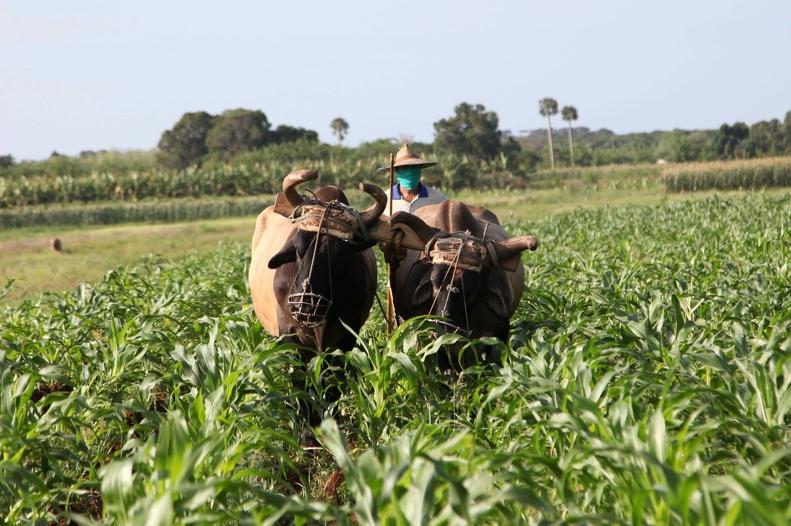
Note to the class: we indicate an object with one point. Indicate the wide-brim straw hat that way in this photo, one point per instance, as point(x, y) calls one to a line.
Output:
point(406, 158)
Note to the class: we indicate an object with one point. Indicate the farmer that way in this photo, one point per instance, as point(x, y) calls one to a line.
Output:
point(409, 194)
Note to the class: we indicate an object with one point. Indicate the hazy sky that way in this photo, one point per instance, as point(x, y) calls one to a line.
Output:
point(88, 75)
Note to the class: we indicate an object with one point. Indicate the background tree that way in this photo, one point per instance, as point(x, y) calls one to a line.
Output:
point(767, 138)
point(185, 143)
point(237, 131)
point(340, 128)
point(569, 113)
point(6, 161)
point(285, 133)
point(548, 107)
point(787, 133)
point(472, 131)
point(732, 141)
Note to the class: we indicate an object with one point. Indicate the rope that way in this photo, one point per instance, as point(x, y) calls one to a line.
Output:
point(452, 267)
point(384, 314)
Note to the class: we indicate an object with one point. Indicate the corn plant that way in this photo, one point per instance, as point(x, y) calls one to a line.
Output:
point(646, 380)
point(751, 174)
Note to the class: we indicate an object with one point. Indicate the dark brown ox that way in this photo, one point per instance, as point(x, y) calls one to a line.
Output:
point(312, 265)
point(470, 272)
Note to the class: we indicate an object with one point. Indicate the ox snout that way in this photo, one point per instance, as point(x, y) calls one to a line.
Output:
point(308, 308)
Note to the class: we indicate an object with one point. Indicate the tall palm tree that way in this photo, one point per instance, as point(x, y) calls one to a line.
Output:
point(548, 107)
point(569, 114)
point(339, 128)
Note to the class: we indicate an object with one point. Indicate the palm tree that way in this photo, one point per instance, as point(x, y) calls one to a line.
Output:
point(569, 114)
point(548, 107)
point(339, 128)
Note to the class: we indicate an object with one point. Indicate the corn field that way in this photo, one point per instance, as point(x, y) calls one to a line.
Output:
point(647, 380)
point(134, 212)
point(751, 174)
point(239, 179)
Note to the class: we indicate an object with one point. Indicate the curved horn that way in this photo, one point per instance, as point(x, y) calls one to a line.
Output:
point(292, 180)
point(289, 198)
point(508, 250)
point(372, 213)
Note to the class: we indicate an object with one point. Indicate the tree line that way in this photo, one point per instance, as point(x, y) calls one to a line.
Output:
point(473, 131)
point(199, 134)
point(731, 141)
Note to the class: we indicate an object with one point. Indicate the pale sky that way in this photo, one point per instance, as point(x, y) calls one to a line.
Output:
point(96, 74)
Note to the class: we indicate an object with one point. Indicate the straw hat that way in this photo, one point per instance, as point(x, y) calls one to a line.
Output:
point(406, 158)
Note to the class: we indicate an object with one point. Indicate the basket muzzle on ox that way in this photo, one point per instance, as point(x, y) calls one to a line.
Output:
point(309, 309)
point(336, 220)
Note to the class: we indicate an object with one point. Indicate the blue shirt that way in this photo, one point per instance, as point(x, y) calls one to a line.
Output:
point(425, 196)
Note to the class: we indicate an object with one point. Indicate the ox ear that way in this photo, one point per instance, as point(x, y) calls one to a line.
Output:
point(282, 206)
point(495, 300)
point(286, 255)
point(423, 293)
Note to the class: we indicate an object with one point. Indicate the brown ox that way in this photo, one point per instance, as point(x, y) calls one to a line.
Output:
point(470, 272)
point(312, 267)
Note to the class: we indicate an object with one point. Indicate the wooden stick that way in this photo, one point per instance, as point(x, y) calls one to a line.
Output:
point(392, 172)
point(390, 317)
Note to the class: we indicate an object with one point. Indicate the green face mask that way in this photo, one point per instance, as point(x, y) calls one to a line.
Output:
point(409, 177)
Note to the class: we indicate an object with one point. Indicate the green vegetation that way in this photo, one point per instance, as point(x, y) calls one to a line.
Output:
point(255, 173)
point(198, 135)
point(233, 138)
point(646, 381)
point(473, 132)
point(600, 147)
point(90, 251)
point(340, 128)
point(734, 175)
point(168, 211)
point(261, 172)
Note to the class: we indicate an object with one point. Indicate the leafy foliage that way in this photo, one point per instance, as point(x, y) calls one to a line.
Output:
point(290, 134)
point(472, 131)
point(731, 141)
point(237, 131)
point(547, 107)
point(185, 143)
point(340, 128)
point(647, 380)
point(569, 113)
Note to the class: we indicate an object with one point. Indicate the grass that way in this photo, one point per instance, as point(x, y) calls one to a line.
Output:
point(88, 253)
point(647, 380)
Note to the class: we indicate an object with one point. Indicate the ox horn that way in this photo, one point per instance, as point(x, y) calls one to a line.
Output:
point(372, 213)
point(289, 198)
point(508, 250)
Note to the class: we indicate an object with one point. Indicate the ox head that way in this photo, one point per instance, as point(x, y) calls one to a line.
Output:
point(329, 233)
point(460, 272)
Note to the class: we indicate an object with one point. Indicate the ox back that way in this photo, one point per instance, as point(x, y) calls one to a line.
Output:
point(354, 285)
point(499, 290)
